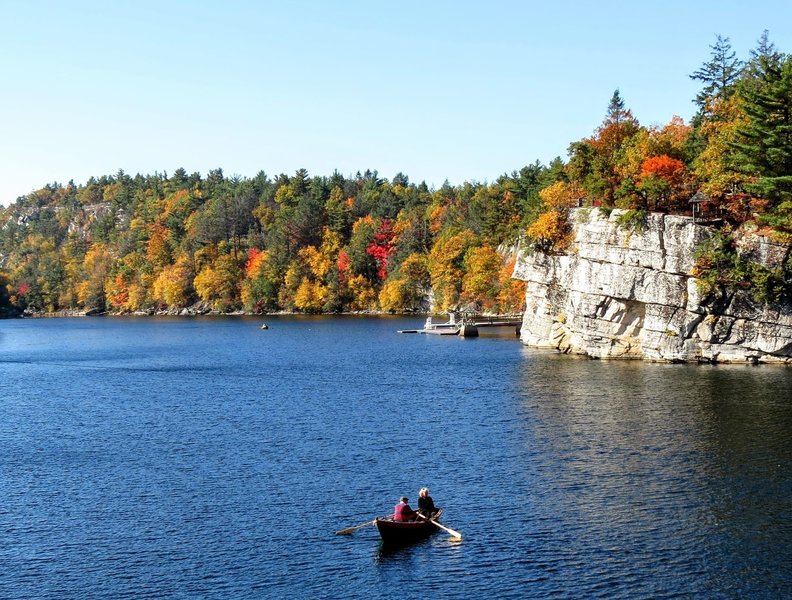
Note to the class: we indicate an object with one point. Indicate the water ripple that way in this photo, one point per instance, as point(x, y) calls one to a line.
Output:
point(203, 459)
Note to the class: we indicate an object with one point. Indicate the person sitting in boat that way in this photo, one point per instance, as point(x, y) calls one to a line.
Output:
point(403, 511)
point(426, 505)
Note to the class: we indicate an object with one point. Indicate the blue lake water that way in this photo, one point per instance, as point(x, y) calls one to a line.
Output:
point(206, 458)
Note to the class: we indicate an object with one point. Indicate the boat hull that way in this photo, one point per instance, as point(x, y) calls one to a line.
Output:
point(393, 532)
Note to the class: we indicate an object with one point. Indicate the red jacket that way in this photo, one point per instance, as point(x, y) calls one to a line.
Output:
point(403, 512)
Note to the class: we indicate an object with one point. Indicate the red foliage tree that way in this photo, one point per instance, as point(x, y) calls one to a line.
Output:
point(344, 262)
point(382, 247)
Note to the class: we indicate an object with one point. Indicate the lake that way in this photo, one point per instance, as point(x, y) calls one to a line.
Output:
point(205, 457)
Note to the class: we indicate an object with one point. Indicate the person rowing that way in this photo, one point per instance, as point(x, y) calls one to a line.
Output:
point(403, 511)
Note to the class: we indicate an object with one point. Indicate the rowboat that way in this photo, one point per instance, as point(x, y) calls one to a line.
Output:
point(404, 532)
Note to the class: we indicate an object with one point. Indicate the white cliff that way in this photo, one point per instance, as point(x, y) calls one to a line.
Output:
point(618, 293)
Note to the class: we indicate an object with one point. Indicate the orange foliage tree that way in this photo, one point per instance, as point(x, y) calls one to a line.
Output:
point(551, 232)
point(262, 280)
point(664, 181)
point(511, 297)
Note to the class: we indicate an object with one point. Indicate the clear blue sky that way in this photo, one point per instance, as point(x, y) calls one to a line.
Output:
point(464, 91)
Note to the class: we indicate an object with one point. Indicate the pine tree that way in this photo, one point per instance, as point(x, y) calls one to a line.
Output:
point(616, 113)
point(719, 75)
point(764, 149)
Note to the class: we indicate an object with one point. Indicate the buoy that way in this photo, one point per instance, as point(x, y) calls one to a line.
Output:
point(264, 326)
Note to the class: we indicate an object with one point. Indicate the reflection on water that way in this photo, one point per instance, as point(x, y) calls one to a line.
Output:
point(698, 456)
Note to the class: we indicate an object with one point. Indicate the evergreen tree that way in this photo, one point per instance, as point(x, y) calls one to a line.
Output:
point(764, 149)
point(616, 113)
point(719, 75)
point(766, 52)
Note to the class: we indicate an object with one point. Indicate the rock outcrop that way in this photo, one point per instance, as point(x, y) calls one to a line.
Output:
point(618, 293)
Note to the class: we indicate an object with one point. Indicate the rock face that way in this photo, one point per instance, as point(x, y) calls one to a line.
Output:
point(629, 294)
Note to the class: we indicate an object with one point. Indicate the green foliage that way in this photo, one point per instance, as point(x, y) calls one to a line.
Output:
point(779, 218)
point(719, 268)
point(764, 146)
point(605, 211)
point(719, 74)
point(634, 220)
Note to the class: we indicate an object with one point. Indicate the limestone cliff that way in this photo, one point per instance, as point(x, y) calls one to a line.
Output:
point(618, 293)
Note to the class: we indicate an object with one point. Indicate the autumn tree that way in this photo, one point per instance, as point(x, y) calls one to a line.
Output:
point(407, 288)
point(663, 181)
point(96, 268)
point(481, 282)
point(362, 292)
point(445, 264)
point(158, 249)
point(381, 248)
point(361, 261)
point(174, 284)
point(217, 283)
point(5, 285)
point(511, 297)
point(262, 281)
point(594, 161)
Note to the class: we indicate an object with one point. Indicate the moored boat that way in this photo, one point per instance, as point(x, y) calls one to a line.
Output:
point(404, 532)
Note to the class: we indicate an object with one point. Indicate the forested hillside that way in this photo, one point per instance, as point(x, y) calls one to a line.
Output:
point(312, 244)
point(330, 243)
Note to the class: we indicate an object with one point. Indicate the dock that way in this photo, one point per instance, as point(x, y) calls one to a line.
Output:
point(468, 326)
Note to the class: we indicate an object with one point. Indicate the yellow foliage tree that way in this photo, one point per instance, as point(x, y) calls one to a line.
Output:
point(364, 296)
point(481, 283)
point(96, 268)
point(712, 165)
point(295, 273)
point(561, 195)
point(393, 296)
point(551, 231)
point(332, 242)
point(511, 297)
point(445, 267)
point(436, 216)
point(262, 278)
point(158, 248)
point(310, 296)
point(136, 296)
point(319, 263)
point(217, 283)
point(173, 286)
point(406, 289)
point(414, 269)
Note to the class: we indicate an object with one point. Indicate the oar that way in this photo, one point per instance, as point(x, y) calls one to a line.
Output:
point(456, 534)
point(350, 530)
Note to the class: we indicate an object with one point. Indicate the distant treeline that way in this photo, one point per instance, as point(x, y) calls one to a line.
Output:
point(356, 243)
point(312, 244)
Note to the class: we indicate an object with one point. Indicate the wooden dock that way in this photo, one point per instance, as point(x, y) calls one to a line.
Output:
point(468, 326)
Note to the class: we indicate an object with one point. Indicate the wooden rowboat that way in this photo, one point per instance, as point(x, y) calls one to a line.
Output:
point(404, 532)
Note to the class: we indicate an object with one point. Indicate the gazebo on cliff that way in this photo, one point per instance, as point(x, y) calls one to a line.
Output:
point(696, 202)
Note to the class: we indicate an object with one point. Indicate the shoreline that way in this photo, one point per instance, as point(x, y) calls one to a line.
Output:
point(190, 312)
point(205, 311)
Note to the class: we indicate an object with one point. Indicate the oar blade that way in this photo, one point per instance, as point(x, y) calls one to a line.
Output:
point(351, 530)
point(453, 533)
